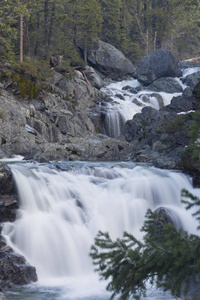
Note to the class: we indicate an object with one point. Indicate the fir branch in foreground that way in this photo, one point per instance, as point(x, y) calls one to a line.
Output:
point(168, 258)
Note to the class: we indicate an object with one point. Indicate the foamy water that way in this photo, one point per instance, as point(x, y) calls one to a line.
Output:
point(62, 211)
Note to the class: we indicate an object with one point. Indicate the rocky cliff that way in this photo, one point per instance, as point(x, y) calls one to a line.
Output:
point(63, 122)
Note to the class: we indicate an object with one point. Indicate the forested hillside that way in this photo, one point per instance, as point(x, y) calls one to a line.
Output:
point(41, 28)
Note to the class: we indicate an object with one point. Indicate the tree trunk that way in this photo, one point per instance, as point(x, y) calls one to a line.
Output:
point(21, 54)
point(46, 34)
point(147, 42)
point(85, 53)
point(51, 26)
point(154, 41)
point(37, 39)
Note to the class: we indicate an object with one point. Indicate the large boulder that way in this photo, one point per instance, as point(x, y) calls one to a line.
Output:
point(160, 63)
point(168, 85)
point(14, 268)
point(108, 60)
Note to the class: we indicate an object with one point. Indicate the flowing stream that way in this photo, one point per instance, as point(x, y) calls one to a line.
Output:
point(127, 99)
point(62, 207)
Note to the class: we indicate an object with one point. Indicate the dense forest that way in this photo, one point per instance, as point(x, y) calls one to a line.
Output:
point(41, 28)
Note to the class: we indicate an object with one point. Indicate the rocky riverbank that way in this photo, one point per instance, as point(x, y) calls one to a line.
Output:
point(63, 122)
point(14, 269)
point(66, 122)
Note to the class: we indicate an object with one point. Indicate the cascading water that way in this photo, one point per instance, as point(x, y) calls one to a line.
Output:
point(127, 100)
point(62, 211)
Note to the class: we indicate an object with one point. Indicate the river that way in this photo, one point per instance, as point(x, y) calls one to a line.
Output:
point(62, 207)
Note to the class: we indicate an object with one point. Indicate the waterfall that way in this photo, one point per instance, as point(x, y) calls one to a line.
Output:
point(127, 99)
point(125, 104)
point(63, 206)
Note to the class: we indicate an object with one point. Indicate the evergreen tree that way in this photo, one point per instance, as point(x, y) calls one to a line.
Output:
point(167, 257)
point(111, 12)
point(8, 31)
point(136, 27)
point(89, 21)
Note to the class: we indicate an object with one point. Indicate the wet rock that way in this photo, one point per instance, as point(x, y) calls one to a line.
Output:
point(15, 269)
point(8, 208)
point(192, 79)
point(158, 98)
point(168, 85)
point(129, 89)
point(182, 104)
point(6, 180)
point(159, 136)
point(8, 197)
point(168, 216)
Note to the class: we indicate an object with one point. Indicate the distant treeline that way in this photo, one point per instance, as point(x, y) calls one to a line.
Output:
point(42, 28)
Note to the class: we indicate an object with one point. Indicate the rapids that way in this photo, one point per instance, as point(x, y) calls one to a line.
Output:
point(62, 207)
point(126, 101)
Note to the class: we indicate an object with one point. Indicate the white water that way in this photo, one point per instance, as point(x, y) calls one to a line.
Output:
point(62, 211)
point(126, 104)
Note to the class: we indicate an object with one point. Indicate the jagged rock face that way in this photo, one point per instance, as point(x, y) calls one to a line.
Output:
point(109, 61)
point(14, 268)
point(160, 63)
point(6, 179)
point(160, 136)
point(52, 118)
point(49, 127)
point(8, 208)
point(8, 197)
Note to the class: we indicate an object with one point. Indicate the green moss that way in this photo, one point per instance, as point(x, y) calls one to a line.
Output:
point(27, 88)
point(30, 77)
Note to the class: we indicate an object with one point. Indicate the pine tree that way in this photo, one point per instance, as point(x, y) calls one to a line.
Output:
point(111, 12)
point(8, 31)
point(168, 257)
